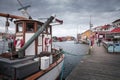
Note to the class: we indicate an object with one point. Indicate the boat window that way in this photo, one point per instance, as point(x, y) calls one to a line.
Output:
point(49, 30)
point(19, 27)
point(40, 40)
point(29, 27)
point(39, 26)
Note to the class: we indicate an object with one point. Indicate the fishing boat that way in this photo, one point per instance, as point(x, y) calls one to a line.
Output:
point(31, 55)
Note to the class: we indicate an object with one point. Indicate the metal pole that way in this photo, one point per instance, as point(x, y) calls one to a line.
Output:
point(90, 41)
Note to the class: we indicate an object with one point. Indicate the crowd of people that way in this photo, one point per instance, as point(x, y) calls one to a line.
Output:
point(92, 41)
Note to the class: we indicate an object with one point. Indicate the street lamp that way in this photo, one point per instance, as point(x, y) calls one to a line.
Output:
point(90, 37)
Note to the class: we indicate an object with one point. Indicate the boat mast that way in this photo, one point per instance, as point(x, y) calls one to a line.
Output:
point(23, 9)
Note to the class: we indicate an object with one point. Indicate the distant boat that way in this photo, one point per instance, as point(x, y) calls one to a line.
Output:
point(76, 41)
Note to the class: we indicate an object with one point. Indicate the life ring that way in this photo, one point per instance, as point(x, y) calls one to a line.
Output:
point(18, 43)
point(48, 41)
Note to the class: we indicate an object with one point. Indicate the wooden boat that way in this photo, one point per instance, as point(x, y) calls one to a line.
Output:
point(31, 55)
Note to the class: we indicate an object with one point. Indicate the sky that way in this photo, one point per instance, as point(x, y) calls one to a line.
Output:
point(74, 13)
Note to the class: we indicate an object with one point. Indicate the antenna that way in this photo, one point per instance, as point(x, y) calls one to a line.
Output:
point(90, 22)
point(23, 9)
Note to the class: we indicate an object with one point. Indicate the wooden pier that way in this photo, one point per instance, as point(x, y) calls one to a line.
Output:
point(100, 65)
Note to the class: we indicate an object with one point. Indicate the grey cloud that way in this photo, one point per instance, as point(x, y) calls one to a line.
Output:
point(73, 12)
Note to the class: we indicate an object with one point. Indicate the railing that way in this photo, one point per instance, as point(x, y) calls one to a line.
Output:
point(112, 47)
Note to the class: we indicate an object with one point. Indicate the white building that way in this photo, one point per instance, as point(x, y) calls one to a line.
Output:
point(116, 23)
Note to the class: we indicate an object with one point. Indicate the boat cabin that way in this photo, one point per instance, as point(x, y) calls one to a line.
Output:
point(25, 29)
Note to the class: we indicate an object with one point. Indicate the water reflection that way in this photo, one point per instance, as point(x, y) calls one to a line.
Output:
point(70, 60)
point(69, 46)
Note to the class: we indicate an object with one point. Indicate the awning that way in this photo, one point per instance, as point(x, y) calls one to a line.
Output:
point(116, 30)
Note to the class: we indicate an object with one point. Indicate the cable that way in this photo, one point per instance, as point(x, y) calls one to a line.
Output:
point(64, 52)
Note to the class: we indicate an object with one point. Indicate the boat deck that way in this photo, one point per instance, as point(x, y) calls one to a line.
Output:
point(98, 66)
point(24, 67)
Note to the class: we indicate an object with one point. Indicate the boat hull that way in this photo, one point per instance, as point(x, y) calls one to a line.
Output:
point(52, 74)
point(28, 69)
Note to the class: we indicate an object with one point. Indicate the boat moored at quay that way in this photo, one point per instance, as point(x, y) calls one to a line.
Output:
point(31, 55)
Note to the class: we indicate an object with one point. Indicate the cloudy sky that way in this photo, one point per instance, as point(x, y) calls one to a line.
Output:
point(75, 13)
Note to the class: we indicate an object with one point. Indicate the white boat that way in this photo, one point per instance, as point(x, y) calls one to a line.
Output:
point(32, 56)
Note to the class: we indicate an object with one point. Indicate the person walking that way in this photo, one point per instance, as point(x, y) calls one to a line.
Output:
point(99, 42)
point(91, 43)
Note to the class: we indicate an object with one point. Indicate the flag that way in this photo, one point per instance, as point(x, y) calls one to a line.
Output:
point(59, 21)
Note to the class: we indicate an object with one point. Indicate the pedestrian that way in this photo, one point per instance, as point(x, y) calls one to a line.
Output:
point(99, 42)
point(91, 42)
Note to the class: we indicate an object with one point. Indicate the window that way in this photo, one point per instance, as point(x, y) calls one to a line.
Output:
point(29, 27)
point(19, 27)
point(49, 30)
point(39, 26)
point(40, 39)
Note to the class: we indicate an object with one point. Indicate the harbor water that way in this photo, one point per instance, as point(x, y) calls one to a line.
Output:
point(71, 61)
point(74, 54)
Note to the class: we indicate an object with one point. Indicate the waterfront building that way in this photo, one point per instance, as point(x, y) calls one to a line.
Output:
point(112, 39)
point(85, 36)
point(114, 33)
point(100, 31)
point(5, 36)
point(116, 23)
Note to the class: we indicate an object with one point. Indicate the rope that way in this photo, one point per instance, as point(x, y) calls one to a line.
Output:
point(62, 71)
point(64, 52)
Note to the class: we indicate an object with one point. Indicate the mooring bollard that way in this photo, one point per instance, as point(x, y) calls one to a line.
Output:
point(90, 50)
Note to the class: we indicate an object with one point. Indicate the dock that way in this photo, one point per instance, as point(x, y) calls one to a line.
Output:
point(99, 65)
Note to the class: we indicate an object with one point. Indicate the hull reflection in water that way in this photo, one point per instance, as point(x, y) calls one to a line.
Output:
point(71, 61)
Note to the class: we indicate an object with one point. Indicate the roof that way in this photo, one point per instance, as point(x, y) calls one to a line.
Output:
point(103, 32)
point(116, 30)
point(86, 31)
point(116, 21)
point(105, 26)
point(97, 27)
